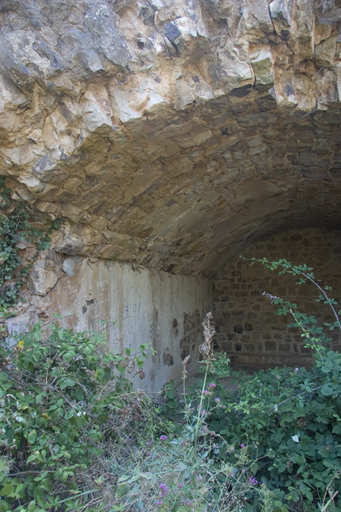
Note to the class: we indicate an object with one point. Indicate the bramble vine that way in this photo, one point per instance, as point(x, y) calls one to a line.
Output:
point(314, 335)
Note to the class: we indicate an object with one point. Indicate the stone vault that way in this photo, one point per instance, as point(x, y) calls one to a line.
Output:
point(172, 135)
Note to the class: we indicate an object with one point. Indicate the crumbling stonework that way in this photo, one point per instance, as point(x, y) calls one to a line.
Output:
point(171, 134)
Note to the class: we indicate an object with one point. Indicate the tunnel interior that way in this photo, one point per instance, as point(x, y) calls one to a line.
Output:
point(265, 183)
point(243, 178)
point(167, 139)
point(248, 329)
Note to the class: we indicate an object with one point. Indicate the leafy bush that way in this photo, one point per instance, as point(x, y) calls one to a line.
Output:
point(290, 419)
point(74, 436)
point(63, 401)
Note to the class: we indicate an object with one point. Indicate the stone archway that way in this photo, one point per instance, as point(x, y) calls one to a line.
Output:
point(169, 137)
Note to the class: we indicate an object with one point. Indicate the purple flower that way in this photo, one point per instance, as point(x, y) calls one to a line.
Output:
point(242, 445)
point(212, 385)
point(163, 438)
point(296, 370)
point(159, 503)
point(253, 481)
point(181, 485)
point(205, 392)
point(149, 443)
point(217, 400)
point(164, 489)
point(148, 454)
point(203, 412)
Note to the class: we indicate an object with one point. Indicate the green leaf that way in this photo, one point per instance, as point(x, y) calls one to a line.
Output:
point(32, 506)
point(327, 390)
point(122, 490)
point(38, 495)
point(32, 437)
point(80, 394)
point(337, 429)
point(7, 489)
point(45, 484)
point(69, 414)
point(64, 383)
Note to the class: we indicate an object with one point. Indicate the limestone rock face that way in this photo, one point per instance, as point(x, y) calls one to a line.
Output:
point(171, 134)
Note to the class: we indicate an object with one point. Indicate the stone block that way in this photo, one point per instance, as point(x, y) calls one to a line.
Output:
point(262, 67)
point(41, 281)
point(270, 346)
point(280, 11)
point(96, 119)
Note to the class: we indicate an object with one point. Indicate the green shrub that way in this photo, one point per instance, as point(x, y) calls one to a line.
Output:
point(63, 401)
point(290, 419)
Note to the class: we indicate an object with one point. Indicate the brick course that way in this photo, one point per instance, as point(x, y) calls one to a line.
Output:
point(247, 329)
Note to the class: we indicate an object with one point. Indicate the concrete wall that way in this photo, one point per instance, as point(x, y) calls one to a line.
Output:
point(247, 328)
point(140, 306)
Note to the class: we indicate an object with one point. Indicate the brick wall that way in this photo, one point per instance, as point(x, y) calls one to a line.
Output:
point(247, 329)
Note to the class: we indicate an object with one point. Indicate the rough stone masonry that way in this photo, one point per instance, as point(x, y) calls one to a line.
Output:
point(170, 135)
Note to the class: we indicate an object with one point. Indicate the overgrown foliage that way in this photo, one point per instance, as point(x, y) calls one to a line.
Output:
point(290, 419)
point(15, 230)
point(75, 436)
point(63, 402)
point(182, 470)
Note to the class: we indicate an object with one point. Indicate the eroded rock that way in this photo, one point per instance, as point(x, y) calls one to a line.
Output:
point(170, 134)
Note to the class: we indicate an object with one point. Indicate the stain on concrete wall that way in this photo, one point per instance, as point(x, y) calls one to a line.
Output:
point(191, 334)
point(138, 306)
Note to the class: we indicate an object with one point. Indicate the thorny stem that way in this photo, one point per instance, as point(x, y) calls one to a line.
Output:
point(324, 508)
point(184, 389)
point(184, 376)
point(325, 295)
point(312, 281)
point(307, 333)
point(293, 397)
point(332, 496)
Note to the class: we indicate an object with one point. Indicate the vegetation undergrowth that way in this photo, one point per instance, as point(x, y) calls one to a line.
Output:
point(288, 419)
point(64, 402)
point(76, 436)
point(183, 470)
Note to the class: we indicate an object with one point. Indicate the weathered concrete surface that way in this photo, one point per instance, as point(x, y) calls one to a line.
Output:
point(171, 134)
point(139, 306)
